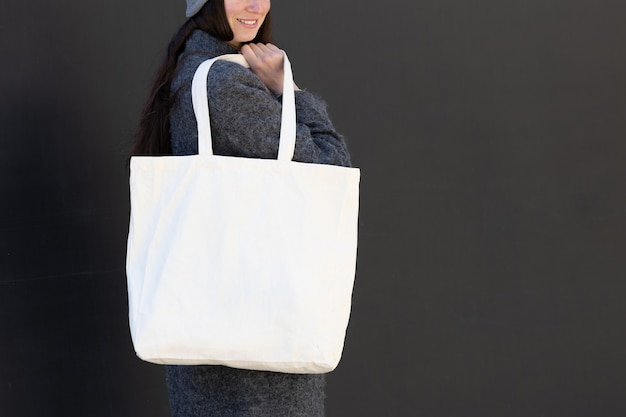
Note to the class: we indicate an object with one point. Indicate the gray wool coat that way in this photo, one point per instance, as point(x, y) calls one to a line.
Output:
point(245, 115)
point(245, 121)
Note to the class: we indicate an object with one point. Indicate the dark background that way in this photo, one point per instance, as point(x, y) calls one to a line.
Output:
point(490, 135)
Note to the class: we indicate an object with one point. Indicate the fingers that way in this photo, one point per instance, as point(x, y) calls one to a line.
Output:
point(262, 47)
point(262, 54)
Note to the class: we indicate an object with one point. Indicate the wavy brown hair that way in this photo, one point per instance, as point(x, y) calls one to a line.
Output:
point(153, 134)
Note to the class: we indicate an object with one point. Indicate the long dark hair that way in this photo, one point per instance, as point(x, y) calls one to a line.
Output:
point(153, 134)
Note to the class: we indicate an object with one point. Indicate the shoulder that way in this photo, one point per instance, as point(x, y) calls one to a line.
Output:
point(222, 75)
point(228, 75)
point(199, 47)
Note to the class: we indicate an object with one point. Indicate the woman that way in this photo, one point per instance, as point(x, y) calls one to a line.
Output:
point(245, 108)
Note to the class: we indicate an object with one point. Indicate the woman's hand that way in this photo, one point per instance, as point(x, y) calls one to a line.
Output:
point(266, 61)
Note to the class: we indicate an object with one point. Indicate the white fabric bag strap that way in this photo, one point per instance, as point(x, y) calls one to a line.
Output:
point(287, 142)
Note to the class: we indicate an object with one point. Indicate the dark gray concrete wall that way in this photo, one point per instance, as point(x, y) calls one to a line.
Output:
point(493, 211)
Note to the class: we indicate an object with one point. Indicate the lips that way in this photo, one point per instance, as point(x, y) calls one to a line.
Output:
point(248, 22)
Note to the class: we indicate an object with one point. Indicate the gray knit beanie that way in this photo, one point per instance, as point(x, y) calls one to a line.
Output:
point(194, 6)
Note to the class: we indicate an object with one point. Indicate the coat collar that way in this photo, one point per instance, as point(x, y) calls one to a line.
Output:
point(201, 42)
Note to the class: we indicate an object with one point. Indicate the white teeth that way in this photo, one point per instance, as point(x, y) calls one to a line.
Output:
point(247, 22)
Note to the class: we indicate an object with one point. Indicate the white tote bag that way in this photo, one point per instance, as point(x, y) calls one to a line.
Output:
point(248, 263)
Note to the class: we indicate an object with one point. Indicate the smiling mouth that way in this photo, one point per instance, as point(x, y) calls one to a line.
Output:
point(248, 22)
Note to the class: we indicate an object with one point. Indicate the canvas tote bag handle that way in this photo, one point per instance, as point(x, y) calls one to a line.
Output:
point(287, 142)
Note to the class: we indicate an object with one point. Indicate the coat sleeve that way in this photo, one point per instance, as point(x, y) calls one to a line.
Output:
point(246, 117)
